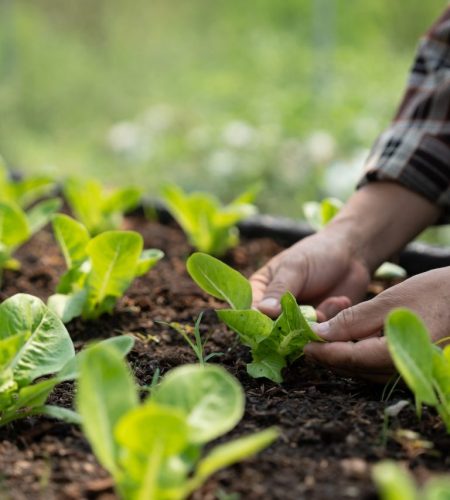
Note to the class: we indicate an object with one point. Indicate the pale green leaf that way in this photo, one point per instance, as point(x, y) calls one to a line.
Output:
point(393, 482)
point(48, 345)
point(211, 399)
point(388, 270)
point(114, 257)
point(252, 326)
point(227, 454)
point(220, 280)
point(41, 214)
point(72, 238)
point(69, 306)
point(269, 366)
point(14, 227)
point(147, 260)
point(106, 392)
point(412, 352)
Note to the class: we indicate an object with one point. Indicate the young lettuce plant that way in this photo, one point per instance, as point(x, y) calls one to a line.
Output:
point(210, 227)
point(319, 214)
point(154, 449)
point(98, 209)
point(395, 483)
point(424, 367)
point(34, 343)
point(23, 192)
point(273, 344)
point(17, 227)
point(100, 269)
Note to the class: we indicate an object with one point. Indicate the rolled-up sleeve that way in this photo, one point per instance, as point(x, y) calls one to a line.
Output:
point(415, 149)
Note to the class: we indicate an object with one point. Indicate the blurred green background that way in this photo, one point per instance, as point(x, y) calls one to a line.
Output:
point(210, 94)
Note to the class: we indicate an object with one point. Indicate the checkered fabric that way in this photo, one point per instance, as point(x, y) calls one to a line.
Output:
point(415, 149)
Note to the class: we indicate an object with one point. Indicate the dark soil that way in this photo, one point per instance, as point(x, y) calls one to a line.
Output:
point(331, 427)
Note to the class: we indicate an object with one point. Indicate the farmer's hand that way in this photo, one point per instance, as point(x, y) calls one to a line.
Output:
point(376, 222)
point(355, 345)
point(320, 266)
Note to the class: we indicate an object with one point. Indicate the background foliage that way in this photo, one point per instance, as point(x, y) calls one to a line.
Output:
point(210, 94)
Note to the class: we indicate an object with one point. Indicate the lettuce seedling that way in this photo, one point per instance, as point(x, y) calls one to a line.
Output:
point(273, 344)
point(17, 227)
point(154, 450)
point(23, 192)
point(34, 343)
point(100, 269)
point(210, 227)
point(99, 209)
point(395, 483)
point(424, 367)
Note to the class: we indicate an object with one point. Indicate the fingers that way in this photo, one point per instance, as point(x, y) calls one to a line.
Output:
point(271, 282)
point(332, 306)
point(368, 358)
point(354, 323)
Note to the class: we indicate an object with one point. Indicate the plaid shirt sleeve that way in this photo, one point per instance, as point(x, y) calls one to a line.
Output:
point(415, 149)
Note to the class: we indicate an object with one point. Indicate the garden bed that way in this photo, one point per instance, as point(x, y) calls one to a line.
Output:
point(331, 427)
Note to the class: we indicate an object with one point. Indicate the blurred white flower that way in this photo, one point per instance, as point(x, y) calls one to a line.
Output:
point(238, 134)
point(199, 137)
point(159, 118)
point(124, 137)
point(341, 177)
point(320, 147)
point(223, 162)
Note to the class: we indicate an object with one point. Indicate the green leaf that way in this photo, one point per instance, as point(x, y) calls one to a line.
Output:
point(437, 489)
point(85, 199)
point(48, 345)
point(252, 326)
point(393, 482)
point(14, 227)
point(229, 453)
point(412, 352)
point(58, 412)
point(9, 347)
point(320, 214)
point(147, 260)
point(67, 307)
point(72, 238)
point(388, 270)
point(220, 280)
point(211, 399)
point(27, 191)
point(269, 366)
point(41, 214)
point(34, 395)
point(106, 392)
point(114, 257)
point(151, 426)
point(122, 200)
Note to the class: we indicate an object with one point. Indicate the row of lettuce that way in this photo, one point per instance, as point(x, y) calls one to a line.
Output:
point(154, 449)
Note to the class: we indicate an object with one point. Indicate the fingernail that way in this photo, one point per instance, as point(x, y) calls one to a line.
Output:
point(269, 303)
point(322, 329)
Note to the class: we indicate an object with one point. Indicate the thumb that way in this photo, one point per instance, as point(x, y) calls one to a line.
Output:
point(283, 279)
point(353, 323)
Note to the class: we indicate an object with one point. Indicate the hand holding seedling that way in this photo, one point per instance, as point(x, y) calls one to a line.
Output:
point(356, 346)
point(332, 268)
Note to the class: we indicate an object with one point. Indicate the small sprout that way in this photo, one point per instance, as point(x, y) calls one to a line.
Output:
point(155, 449)
point(198, 346)
point(424, 367)
point(210, 227)
point(100, 269)
point(274, 344)
point(97, 208)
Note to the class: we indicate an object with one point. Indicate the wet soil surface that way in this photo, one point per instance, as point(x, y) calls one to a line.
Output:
point(331, 427)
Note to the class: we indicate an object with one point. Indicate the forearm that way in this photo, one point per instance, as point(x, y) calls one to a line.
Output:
point(380, 218)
